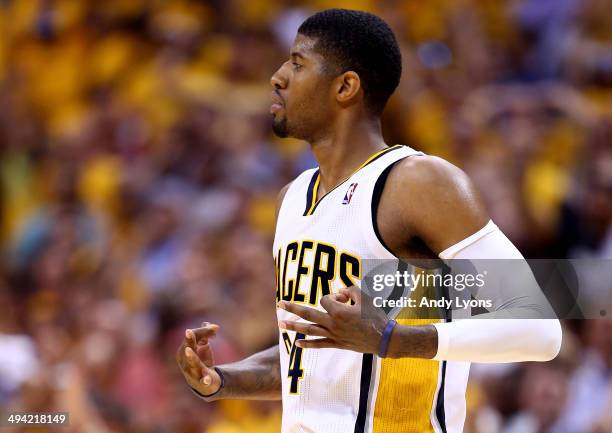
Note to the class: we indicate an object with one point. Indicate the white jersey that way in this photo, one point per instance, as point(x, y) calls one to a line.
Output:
point(319, 247)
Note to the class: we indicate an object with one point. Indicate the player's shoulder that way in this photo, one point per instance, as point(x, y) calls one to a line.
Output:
point(427, 173)
point(425, 185)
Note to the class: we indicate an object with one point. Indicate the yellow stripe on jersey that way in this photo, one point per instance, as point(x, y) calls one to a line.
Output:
point(406, 392)
point(371, 158)
point(407, 386)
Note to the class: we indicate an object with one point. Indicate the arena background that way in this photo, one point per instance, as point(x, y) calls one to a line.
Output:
point(139, 178)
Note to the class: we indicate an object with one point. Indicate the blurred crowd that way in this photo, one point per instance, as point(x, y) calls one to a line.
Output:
point(139, 179)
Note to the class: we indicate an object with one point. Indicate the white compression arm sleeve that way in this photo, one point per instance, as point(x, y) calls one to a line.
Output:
point(500, 339)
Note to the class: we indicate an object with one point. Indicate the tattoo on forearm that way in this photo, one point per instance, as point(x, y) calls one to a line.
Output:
point(255, 378)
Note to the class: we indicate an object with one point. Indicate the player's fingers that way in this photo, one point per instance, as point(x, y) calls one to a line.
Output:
point(304, 328)
point(180, 357)
point(193, 363)
point(207, 378)
point(205, 332)
point(191, 357)
point(188, 370)
point(306, 313)
point(330, 304)
point(355, 293)
point(190, 340)
point(180, 354)
point(318, 343)
point(342, 296)
point(205, 354)
point(183, 363)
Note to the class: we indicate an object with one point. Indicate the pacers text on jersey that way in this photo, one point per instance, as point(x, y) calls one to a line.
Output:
point(306, 271)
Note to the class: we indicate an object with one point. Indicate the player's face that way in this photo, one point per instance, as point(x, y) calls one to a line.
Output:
point(301, 103)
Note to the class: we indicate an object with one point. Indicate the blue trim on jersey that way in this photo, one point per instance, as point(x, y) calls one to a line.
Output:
point(364, 391)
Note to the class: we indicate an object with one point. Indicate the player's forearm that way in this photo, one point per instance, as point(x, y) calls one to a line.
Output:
point(254, 378)
point(520, 326)
point(413, 342)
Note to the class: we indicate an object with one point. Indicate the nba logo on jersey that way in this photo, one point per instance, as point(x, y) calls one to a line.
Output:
point(349, 193)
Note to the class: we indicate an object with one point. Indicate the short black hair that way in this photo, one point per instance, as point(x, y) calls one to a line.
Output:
point(361, 42)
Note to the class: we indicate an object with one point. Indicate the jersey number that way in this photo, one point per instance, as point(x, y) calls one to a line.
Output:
point(295, 371)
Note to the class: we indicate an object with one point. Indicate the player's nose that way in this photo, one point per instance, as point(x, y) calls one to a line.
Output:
point(278, 80)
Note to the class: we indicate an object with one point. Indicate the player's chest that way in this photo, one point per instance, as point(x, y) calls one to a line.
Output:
point(334, 218)
point(316, 254)
point(312, 262)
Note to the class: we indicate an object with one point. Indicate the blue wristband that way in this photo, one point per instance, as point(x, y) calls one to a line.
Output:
point(386, 337)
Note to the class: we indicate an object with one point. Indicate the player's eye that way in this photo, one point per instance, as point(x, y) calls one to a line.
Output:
point(296, 66)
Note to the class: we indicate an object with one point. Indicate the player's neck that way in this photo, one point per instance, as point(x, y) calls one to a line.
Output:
point(343, 151)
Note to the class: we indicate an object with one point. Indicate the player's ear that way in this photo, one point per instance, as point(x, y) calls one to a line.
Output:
point(348, 86)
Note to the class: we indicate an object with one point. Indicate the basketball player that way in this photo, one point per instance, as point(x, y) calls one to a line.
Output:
point(335, 371)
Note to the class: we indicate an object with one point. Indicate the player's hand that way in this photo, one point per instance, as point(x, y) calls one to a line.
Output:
point(357, 326)
point(196, 361)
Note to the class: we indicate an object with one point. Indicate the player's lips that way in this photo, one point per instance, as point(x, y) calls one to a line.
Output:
point(275, 107)
point(277, 103)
